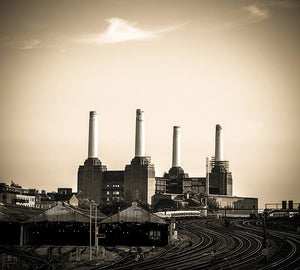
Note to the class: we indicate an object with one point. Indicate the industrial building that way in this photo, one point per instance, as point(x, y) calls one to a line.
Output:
point(136, 182)
point(11, 218)
point(217, 185)
point(219, 176)
point(176, 181)
point(62, 224)
point(134, 226)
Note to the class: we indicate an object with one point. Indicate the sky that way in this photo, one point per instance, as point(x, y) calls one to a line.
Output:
point(188, 63)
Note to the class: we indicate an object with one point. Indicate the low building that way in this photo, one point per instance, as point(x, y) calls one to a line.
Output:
point(235, 206)
point(44, 202)
point(134, 226)
point(70, 198)
point(15, 194)
point(60, 225)
point(11, 219)
point(25, 200)
point(64, 190)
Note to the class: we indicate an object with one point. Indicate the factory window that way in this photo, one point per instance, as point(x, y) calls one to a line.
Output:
point(154, 235)
point(107, 199)
point(116, 192)
point(107, 192)
point(116, 185)
point(107, 185)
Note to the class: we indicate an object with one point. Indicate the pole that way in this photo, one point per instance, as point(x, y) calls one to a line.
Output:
point(21, 235)
point(90, 231)
point(96, 239)
point(265, 229)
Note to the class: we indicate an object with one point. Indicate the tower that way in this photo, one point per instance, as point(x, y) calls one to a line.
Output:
point(220, 178)
point(174, 182)
point(139, 176)
point(90, 175)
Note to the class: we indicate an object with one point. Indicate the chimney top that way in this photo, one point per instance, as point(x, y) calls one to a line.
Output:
point(92, 113)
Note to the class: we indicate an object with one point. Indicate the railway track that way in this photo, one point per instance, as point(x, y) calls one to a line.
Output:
point(36, 261)
point(213, 247)
point(291, 260)
point(217, 247)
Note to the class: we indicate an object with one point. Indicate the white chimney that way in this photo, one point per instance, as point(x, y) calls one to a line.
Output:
point(219, 144)
point(140, 134)
point(176, 147)
point(93, 135)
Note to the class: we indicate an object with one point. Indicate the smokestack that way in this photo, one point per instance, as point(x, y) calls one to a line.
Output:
point(219, 144)
point(140, 134)
point(176, 147)
point(93, 135)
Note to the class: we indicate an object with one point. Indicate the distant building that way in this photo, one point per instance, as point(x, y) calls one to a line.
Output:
point(64, 190)
point(137, 182)
point(15, 194)
point(91, 179)
point(219, 177)
point(176, 181)
point(44, 202)
point(25, 200)
point(113, 186)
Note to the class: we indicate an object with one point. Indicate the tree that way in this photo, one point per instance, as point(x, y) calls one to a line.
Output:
point(212, 204)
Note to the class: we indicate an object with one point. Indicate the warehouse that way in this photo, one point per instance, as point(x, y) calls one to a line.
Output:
point(11, 218)
point(59, 225)
point(134, 226)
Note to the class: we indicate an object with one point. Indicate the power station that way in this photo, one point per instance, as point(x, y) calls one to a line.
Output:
point(137, 182)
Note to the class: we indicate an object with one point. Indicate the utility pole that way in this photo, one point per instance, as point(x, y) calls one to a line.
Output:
point(96, 229)
point(265, 229)
point(265, 250)
point(91, 211)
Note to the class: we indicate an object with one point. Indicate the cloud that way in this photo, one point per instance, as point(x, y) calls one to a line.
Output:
point(24, 44)
point(257, 14)
point(28, 44)
point(282, 3)
point(238, 17)
point(120, 30)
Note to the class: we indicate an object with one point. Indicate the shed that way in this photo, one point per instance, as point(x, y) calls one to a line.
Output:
point(134, 226)
point(60, 225)
point(11, 218)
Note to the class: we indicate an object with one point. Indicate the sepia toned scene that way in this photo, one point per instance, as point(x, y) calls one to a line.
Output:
point(145, 134)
